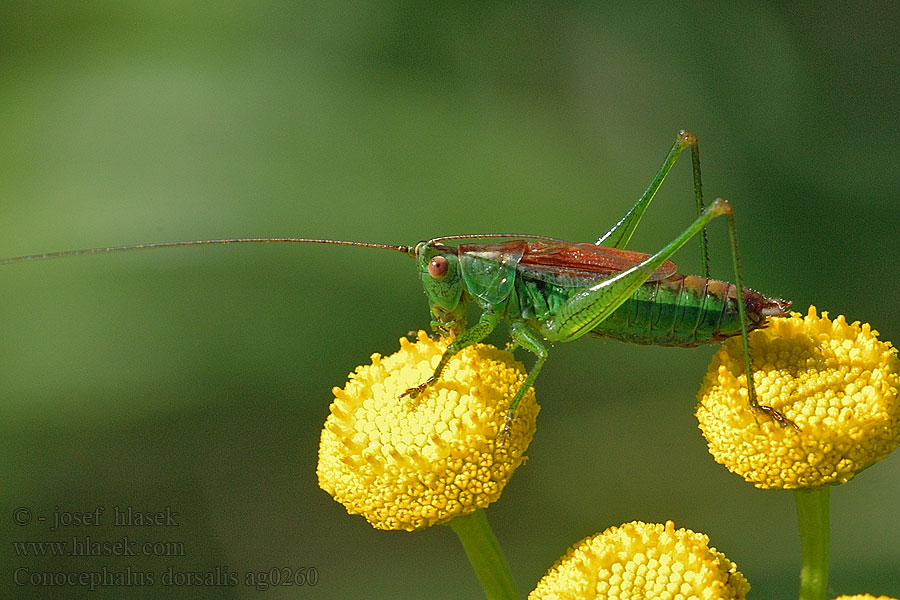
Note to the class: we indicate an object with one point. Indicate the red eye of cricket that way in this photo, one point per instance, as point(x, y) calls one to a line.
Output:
point(438, 266)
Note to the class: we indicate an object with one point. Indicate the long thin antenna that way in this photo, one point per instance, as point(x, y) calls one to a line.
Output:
point(104, 250)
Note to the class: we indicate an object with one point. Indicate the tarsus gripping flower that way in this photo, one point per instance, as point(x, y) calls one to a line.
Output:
point(408, 463)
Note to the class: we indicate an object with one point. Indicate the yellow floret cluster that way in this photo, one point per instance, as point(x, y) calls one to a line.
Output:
point(643, 560)
point(408, 463)
point(835, 380)
point(864, 597)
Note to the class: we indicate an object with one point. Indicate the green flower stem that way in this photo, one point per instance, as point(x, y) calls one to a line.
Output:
point(485, 555)
point(812, 515)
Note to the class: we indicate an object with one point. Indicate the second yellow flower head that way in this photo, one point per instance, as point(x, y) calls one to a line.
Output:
point(836, 380)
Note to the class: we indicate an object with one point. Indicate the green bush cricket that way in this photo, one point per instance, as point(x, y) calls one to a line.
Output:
point(551, 290)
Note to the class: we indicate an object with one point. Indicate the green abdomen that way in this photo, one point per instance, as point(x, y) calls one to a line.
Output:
point(681, 310)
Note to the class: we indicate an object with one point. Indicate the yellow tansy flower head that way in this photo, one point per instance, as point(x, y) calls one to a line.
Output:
point(407, 463)
point(837, 381)
point(643, 560)
point(864, 597)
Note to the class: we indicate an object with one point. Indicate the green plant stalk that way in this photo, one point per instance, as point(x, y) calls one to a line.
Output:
point(812, 517)
point(485, 556)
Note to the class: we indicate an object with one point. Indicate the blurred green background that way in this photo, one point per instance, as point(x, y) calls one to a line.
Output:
point(198, 379)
